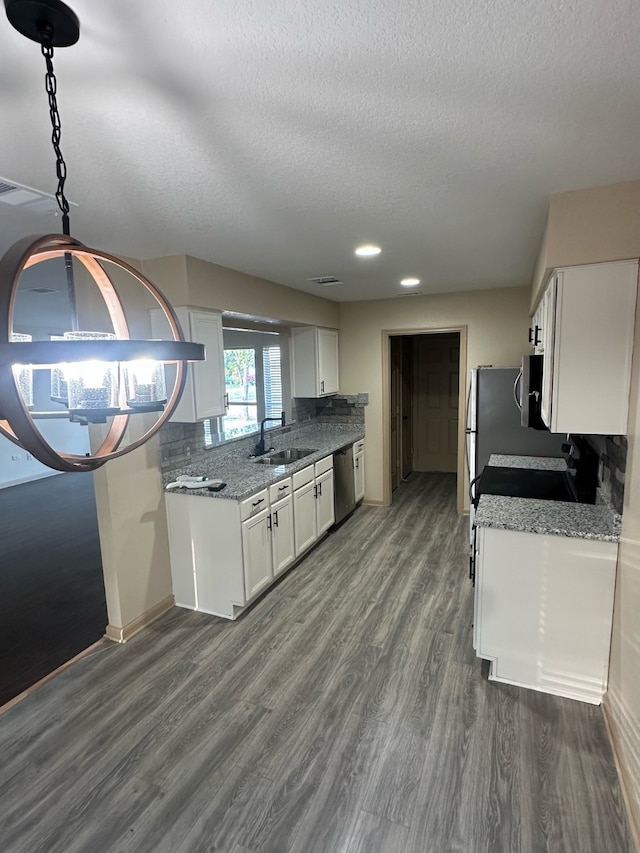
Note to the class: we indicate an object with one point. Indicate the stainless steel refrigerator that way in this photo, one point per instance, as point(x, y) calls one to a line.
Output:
point(493, 423)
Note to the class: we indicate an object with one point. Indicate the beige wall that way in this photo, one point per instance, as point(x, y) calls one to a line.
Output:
point(623, 698)
point(587, 227)
point(190, 281)
point(592, 226)
point(497, 322)
point(133, 531)
point(131, 520)
point(129, 497)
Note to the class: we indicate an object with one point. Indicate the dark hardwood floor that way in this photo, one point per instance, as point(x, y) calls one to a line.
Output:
point(344, 712)
point(52, 600)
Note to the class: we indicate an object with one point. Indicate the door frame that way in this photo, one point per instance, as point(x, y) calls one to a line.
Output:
point(387, 334)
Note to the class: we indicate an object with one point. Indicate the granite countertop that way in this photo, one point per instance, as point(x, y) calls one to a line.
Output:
point(244, 476)
point(538, 463)
point(557, 518)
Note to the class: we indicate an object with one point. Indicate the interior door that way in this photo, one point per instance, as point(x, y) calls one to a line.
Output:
point(435, 402)
point(406, 431)
point(396, 410)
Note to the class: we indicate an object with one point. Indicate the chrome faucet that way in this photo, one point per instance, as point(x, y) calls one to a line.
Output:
point(259, 449)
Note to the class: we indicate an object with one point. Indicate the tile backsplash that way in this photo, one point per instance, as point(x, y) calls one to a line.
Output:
point(179, 442)
point(337, 409)
point(612, 450)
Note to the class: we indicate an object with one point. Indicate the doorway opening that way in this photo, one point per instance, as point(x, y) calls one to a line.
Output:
point(423, 408)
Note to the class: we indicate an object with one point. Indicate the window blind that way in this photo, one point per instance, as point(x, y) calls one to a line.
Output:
point(271, 367)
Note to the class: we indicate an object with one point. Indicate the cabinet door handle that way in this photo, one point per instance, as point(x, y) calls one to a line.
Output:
point(226, 400)
point(257, 503)
point(275, 518)
point(537, 340)
point(315, 492)
point(530, 336)
point(320, 489)
point(357, 463)
point(322, 386)
point(269, 527)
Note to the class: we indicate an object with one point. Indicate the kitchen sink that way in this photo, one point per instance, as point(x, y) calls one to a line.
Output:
point(284, 457)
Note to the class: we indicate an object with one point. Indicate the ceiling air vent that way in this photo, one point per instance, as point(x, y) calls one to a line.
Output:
point(22, 197)
point(325, 280)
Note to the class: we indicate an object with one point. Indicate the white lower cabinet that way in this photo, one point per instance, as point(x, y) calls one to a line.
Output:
point(256, 551)
point(304, 517)
point(543, 611)
point(282, 541)
point(325, 509)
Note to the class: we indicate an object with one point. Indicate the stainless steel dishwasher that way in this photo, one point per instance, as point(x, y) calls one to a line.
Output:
point(344, 489)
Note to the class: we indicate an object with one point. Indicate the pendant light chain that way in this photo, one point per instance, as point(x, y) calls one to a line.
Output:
point(51, 85)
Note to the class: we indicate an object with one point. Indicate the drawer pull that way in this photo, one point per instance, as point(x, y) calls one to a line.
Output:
point(257, 503)
point(283, 488)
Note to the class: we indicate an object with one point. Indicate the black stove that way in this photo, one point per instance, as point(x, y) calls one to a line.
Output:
point(527, 483)
point(577, 484)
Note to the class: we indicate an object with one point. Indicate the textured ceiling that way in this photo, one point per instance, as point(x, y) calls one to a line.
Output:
point(275, 137)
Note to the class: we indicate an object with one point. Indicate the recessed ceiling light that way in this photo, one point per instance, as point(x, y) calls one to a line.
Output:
point(368, 251)
point(410, 282)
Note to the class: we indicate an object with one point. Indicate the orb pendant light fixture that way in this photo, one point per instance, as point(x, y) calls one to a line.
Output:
point(99, 376)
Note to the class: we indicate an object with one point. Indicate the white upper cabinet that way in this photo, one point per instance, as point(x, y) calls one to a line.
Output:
point(536, 331)
point(203, 395)
point(315, 362)
point(588, 318)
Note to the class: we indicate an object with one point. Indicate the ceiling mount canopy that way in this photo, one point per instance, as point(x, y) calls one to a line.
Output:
point(40, 20)
point(98, 376)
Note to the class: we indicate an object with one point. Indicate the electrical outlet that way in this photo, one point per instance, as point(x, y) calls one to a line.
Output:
point(187, 450)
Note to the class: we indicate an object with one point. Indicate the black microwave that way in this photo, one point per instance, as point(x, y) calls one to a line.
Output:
point(528, 392)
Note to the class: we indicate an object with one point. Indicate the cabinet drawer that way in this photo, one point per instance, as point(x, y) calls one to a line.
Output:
point(358, 447)
point(256, 503)
point(280, 490)
point(301, 478)
point(323, 465)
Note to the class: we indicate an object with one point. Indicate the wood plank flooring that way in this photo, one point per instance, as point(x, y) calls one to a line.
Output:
point(345, 713)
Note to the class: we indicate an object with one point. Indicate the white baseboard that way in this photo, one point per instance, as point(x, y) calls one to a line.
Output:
point(41, 476)
point(623, 735)
point(121, 635)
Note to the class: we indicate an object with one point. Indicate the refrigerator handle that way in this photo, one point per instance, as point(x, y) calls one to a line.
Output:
point(468, 430)
point(516, 392)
